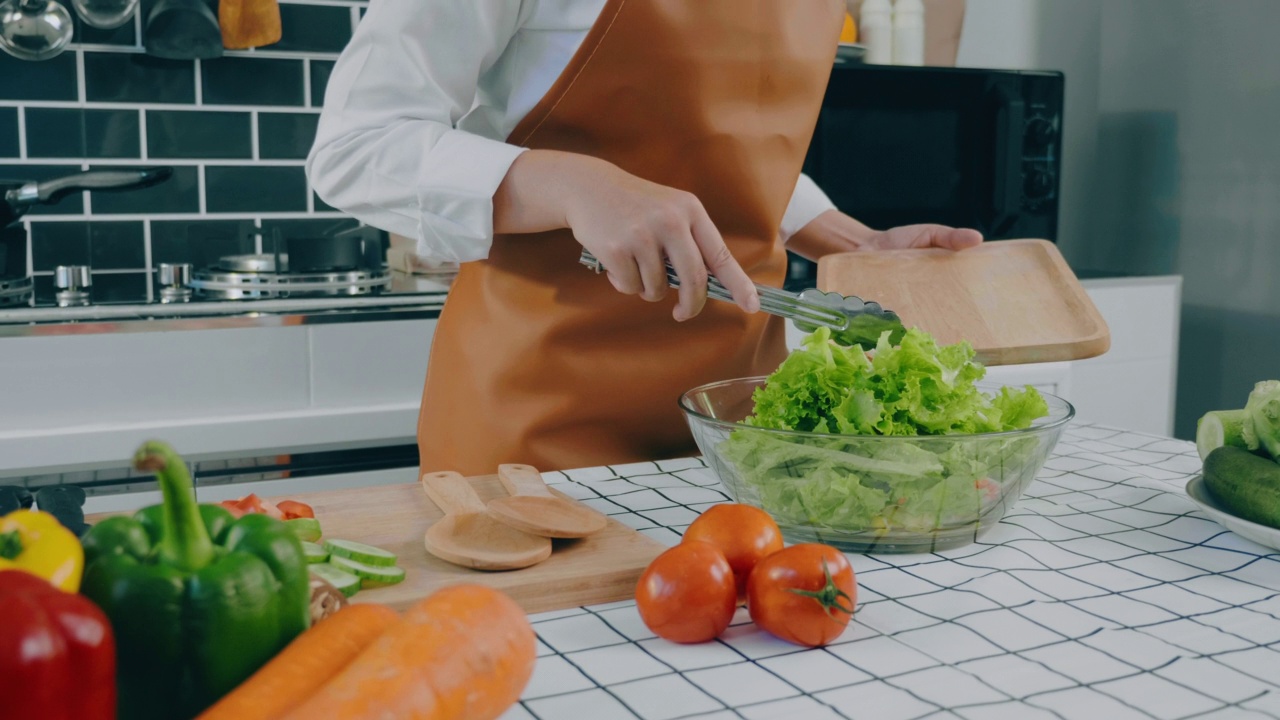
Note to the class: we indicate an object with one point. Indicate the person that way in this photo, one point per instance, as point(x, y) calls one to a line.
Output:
point(509, 136)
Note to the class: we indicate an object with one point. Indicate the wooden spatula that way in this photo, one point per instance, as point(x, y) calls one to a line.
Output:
point(533, 509)
point(1014, 301)
point(249, 23)
point(468, 536)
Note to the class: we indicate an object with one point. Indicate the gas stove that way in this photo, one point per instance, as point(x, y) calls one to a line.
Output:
point(258, 277)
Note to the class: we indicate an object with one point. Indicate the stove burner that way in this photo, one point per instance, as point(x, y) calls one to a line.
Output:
point(15, 291)
point(220, 284)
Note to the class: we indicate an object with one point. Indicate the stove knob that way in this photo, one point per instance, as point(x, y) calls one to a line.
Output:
point(174, 278)
point(73, 283)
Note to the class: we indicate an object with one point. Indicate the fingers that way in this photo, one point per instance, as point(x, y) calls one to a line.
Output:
point(956, 238)
point(721, 263)
point(653, 272)
point(623, 274)
point(692, 271)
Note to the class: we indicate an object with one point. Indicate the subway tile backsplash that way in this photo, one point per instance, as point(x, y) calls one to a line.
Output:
point(236, 131)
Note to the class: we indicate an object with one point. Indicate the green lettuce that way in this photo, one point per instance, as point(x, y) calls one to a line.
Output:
point(914, 388)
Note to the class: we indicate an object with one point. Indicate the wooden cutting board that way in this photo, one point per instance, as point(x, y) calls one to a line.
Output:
point(599, 569)
point(1015, 301)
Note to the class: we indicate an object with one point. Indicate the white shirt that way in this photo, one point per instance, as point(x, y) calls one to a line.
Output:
point(411, 139)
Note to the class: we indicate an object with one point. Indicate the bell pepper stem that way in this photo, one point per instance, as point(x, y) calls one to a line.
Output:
point(184, 541)
point(10, 545)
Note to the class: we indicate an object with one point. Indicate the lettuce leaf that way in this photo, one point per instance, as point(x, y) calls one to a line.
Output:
point(914, 388)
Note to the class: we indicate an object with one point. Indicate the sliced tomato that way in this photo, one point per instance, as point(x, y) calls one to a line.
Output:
point(253, 504)
point(293, 509)
point(233, 507)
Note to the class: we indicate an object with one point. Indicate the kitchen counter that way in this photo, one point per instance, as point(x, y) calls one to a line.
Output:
point(1104, 594)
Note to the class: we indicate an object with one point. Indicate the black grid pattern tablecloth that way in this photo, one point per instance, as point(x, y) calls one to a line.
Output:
point(1104, 594)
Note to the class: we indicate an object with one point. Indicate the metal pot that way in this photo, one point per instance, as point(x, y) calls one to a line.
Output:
point(19, 197)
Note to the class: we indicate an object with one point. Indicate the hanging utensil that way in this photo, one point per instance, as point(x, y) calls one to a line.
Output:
point(249, 23)
point(34, 29)
point(182, 30)
point(105, 14)
point(19, 198)
point(852, 321)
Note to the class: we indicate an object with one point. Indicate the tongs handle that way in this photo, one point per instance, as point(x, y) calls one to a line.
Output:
point(772, 300)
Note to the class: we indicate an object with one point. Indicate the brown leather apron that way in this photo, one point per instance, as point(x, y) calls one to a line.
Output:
point(538, 360)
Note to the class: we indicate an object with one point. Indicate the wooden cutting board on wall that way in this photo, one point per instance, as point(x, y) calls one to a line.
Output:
point(598, 569)
point(1015, 301)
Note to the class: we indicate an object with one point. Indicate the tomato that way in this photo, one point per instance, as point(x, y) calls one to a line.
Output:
point(252, 504)
point(804, 594)
point(293, 509)
point(743, 533)
point(687, 595)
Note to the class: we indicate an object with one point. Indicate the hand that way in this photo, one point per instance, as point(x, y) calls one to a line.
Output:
point(833, 232)
point(631, 225)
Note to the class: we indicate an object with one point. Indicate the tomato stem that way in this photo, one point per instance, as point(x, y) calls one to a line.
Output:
point(829, 596)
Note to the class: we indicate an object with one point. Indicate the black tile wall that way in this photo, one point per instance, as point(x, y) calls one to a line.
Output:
point(125, 35)
point(252, 81)
point(317, 28)
point(178, 194)
point(200, 242)
point(52, 79)
point(255, 188)
point(9, 146)
point(101, 245)
point(133, 77)
point(286, 136)
point(235, 130)
point(75, 132)
point(198, 134)
point(70, 205)
point(320, 72)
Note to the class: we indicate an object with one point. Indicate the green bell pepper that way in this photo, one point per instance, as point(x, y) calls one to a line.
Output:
point(198, 600)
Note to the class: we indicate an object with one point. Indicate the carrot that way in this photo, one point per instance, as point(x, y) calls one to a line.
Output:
point(465, 652)
point(304, 665)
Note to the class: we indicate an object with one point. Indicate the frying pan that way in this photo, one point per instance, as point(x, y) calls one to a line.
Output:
point(19, 197)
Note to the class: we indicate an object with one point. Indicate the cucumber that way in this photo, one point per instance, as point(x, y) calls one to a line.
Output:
point(314, 553)
point(307, 529)
point(367, 554)
point(345, 582)
point(1247, 485)
point(1221, 427)
point(370, 575)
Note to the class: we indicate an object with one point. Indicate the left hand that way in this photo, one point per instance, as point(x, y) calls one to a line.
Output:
point(833, 232)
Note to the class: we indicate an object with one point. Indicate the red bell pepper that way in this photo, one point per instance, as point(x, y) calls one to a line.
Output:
point(57, 653)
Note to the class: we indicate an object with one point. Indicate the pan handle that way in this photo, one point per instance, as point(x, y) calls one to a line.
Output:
point(51, 191)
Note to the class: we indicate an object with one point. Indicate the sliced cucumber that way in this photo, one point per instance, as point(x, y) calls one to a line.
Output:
point(370, 575)
point(314, 553)
point(346, 583)
point(307, 529)
point(367, 554)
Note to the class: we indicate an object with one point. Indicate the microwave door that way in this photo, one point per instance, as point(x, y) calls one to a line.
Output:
point(899, 146)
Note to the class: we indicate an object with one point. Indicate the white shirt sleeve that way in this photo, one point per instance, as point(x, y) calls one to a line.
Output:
point(807, 202)
point(387, 149)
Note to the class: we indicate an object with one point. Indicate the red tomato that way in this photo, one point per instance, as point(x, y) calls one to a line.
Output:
point(687, 595)
point(743, 533)
point(293, 509)
point(233, 507)
point(253, 504)
point(804, 594)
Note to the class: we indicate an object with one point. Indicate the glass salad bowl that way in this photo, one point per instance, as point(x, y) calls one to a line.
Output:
point(869, 493)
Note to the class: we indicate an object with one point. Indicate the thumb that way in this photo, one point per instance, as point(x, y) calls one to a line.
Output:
point(951, 238)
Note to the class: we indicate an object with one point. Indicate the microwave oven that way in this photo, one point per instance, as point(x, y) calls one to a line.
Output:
point(958, 146)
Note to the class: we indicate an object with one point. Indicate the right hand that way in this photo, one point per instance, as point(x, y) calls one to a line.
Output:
point(633, 226)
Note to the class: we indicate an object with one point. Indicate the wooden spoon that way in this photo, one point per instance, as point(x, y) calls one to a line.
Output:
point(533, 509)
point(468, 536)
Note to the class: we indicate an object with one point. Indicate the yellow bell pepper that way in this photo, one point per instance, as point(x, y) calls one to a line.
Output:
point(37, 543)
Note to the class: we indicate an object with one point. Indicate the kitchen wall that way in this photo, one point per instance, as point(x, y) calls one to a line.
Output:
point(236, 129)
point(1172, 163)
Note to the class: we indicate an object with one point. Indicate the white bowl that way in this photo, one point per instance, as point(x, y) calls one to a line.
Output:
point(1261, 534)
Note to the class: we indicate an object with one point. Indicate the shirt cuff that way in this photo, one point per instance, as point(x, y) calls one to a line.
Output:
point(455, 198)
point(807, 202)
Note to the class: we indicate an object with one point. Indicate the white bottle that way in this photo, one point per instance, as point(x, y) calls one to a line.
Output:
point(908, 32)
point(875, 31)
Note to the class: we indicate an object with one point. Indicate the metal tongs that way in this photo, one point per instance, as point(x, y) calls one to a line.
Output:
point(852, 320)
